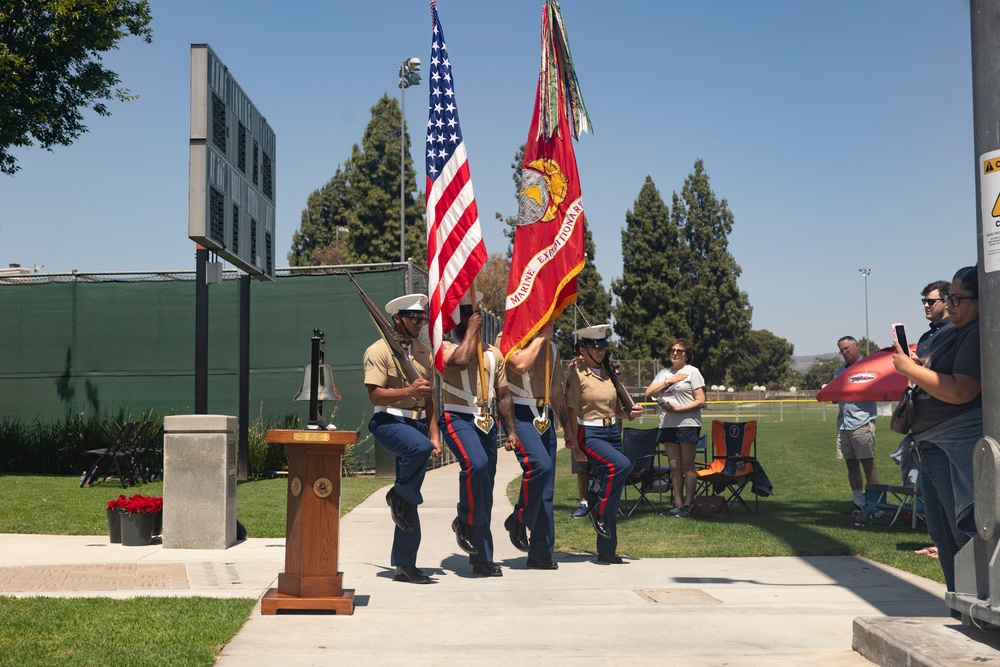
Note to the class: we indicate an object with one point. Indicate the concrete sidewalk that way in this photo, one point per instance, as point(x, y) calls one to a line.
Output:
point(699, 611)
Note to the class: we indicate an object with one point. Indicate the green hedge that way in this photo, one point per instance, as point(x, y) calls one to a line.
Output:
point(40, 447)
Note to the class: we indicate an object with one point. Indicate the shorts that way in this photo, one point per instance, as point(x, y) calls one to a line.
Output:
point(579, 466)
point(679, 434)
point(857, 444)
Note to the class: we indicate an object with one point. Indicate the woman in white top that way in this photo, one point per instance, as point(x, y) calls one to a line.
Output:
point(680, 393)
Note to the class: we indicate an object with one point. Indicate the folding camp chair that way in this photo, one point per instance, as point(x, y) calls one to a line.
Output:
point(147, 462)
point(888, 503)
point(735, 463)
point(115, 459)
point(133, 452)
point(701, 452)
point(646, 477)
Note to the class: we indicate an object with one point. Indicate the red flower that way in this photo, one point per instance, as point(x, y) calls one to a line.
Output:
point(137, 504)
point(118, 503)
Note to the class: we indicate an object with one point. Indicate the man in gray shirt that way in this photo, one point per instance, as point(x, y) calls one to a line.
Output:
point(856, 435)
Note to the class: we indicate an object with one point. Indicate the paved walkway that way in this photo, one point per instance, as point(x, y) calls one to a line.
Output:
point(697, 611)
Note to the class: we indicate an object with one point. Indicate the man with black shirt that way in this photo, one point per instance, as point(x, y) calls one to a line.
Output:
point(941, 329)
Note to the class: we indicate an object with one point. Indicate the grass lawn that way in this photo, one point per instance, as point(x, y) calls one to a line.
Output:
point(60, 507)
point(102, 631)
point(137, 631)
point(804, 518)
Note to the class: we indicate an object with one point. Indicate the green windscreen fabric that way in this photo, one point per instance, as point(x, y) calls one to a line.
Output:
point(101, 347)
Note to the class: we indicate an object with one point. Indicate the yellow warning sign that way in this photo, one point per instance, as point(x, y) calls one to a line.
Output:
point(989, 211)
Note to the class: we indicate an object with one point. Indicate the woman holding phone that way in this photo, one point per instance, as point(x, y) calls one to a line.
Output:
point(949, 421)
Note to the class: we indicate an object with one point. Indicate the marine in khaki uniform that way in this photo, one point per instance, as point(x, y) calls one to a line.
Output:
point(592, 403)
point(404, 423)
point(470, 433)
point(535, 410)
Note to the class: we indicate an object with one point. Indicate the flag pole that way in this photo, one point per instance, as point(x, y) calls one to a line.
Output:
point(548, 369)
point(479, 353)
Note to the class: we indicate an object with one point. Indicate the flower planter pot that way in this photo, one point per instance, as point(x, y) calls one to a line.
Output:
point(137, 529)
point(114, 526)
point(158, 523)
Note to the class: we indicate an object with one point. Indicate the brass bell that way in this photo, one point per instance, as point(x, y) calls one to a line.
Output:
point(327, 390)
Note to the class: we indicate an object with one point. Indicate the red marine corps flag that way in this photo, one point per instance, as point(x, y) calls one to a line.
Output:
point(455, 249)
point(549, 239)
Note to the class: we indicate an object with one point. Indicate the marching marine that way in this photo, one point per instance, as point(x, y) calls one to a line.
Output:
point(404, 424)
point(471, 380)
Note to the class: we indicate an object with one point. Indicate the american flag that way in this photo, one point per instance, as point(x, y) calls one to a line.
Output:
point(455, 249)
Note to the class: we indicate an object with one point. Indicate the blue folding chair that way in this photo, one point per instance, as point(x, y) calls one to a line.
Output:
point(647, 478)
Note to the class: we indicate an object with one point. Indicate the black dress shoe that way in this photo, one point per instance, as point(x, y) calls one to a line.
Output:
point(518, 532)
point(411, 574)
point(400, 510)
point(487, 569)
point(541, 563)
point(600, 522)
point(613, 559)
point(463, 535)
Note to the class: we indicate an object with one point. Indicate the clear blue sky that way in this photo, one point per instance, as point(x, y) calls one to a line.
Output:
point(840, 133)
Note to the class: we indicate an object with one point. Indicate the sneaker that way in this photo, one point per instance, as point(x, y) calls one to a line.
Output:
point(850, 512)
point(858, 515)
point(582, 510)
point(672, 512)
point(684, 512)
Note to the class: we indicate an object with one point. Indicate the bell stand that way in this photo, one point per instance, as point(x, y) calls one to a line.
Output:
point(312, 580)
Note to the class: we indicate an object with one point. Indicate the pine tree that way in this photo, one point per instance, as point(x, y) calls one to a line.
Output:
point(364, 197)
point(374, 215)
point(325, 212)
point(718, 313)
point(650, 310)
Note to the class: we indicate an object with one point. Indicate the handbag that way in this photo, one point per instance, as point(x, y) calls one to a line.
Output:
point(904, 414)
point(709, 507)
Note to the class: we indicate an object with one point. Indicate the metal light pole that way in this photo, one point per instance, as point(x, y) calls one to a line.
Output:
point(866, 273)
point(976, 594)
point(408, 76)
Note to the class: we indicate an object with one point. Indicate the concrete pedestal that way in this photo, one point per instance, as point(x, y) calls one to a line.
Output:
point(199, 481)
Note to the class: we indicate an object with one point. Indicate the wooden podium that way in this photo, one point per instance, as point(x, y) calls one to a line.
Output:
point(311, 579)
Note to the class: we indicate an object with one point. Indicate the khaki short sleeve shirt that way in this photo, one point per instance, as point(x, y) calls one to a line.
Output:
point(381, 371)
point(593, 396)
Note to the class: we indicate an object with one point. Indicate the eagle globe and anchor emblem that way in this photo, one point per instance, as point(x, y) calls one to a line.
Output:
point(543, 188)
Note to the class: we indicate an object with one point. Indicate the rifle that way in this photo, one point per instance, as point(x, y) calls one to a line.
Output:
point(614, 370)
point(404, 364)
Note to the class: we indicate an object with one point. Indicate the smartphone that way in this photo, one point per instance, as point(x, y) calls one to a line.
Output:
point(899, 335)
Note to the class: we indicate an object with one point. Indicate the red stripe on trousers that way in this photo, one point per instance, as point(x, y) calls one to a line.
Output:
point(607, 464)
point(468, 465)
